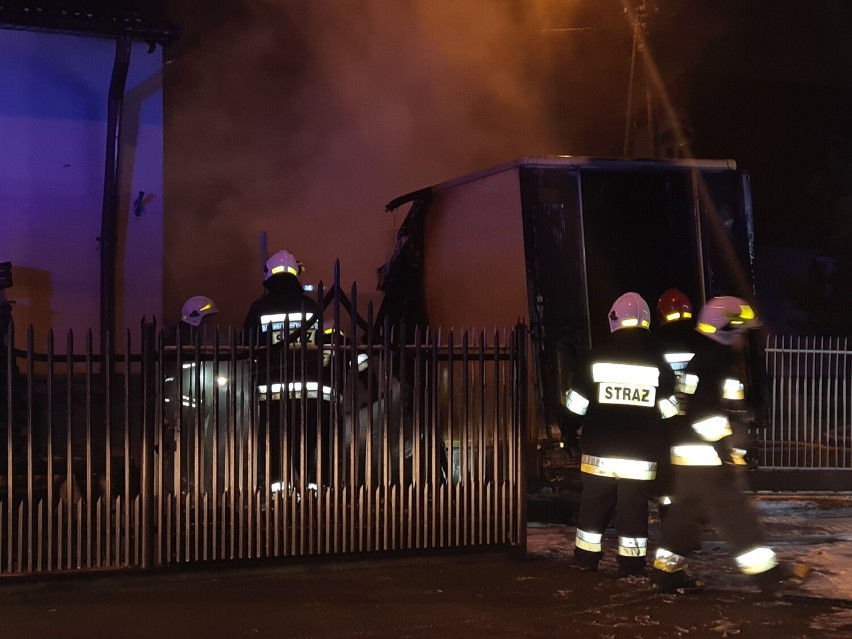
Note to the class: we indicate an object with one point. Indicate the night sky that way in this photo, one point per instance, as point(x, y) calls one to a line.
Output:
point(374, 98)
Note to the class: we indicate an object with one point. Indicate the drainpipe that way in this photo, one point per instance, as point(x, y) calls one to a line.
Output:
point(112, 189)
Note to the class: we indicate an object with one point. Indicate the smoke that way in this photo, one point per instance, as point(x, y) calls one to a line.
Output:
point(302, 119)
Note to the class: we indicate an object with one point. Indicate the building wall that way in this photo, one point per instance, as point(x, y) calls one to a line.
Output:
point(53, 124)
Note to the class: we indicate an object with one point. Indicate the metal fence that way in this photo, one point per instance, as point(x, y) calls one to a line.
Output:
point(211, 447)
point(810, 389)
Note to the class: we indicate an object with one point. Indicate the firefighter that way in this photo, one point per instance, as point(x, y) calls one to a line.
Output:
point(188, 390)
point(279, 323)
point(676, 337)
point(675, 332)
point(620, 392)
point(283, 295)
point(707, 462)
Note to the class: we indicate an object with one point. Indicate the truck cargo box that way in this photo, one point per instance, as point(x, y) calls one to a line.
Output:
point(553, 241)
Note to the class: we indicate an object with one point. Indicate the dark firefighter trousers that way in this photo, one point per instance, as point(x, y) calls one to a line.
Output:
point(628, 500)
point(714, 495)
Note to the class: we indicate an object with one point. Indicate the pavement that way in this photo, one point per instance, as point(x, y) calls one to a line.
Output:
point(469, 595)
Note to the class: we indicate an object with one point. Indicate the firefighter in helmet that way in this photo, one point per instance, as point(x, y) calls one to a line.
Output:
point(283, 295)
point(675, 336)
point(676, 328)
point(620, 391)
point(281, 323)
point(189, 385)
point(707, 461)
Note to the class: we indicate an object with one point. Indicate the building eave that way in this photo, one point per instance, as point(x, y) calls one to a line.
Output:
point(91, 23)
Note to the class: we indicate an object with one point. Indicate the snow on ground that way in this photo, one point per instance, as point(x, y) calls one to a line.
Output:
point(812, 528)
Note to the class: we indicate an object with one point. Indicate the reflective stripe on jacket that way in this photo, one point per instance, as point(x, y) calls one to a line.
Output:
point(618, 468)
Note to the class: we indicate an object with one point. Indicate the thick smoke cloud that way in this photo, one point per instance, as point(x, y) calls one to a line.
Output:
point(302, 119)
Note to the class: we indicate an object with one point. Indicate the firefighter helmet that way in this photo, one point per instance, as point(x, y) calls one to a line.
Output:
point(282, 262)
point(724, 319)
point(673, 306)
point(196, 309)
point(629, 311)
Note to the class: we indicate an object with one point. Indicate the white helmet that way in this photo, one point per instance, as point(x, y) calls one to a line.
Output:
point(196, 309)
point(629, 311)
point(725, 318)
point(281, 262)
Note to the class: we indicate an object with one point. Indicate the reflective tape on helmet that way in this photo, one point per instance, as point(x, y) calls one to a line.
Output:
point(576, 403)
point(676, 315)
point(756, 560)
point(283, 269)
point(632, 546)
point(733, 389)
point(589, 541)
point(668, 561)
point(713, 428)
point(618, 468)
point(695, 455)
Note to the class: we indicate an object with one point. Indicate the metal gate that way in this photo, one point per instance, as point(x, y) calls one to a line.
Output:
point(229, 447)
point(808, 442)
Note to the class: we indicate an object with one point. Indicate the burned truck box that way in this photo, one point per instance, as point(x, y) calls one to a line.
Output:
point(551, 242)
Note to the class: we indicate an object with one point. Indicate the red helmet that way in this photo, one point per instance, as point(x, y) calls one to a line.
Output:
point(673, 306)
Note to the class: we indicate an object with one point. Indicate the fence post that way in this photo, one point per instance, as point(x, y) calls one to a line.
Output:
point(518, 441)
point(148, 416)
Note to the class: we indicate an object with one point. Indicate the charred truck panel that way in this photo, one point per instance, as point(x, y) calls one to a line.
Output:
point(552, 241)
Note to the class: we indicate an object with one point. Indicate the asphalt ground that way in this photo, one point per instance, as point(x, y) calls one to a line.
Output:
point(473, 595)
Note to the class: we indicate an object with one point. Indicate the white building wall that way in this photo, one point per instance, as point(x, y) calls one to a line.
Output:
point(53, 124)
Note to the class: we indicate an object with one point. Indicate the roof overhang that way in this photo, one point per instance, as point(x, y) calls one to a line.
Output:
point(98, 23)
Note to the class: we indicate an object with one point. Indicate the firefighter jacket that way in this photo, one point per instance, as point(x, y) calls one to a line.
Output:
point(677, 342)
point(709, 389)
point(283, 296)
point(622, 390)
point(279, 323)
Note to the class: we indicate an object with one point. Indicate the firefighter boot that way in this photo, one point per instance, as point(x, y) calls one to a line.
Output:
point(675, 583)
point(631, 566)
point(586, 559)
point(780, 578)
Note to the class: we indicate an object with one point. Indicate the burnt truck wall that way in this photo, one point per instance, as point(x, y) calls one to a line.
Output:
point(474, 262)
point(475, 271)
